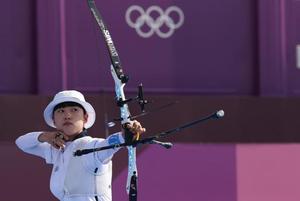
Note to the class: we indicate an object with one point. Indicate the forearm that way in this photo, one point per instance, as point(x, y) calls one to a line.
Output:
point(43, 137)
point(105, 156)
point(29, 143)
point(28, 140)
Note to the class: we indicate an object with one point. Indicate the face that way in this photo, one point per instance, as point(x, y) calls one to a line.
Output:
point(70, 120)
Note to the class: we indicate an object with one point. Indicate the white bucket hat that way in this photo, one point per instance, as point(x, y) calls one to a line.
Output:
point(69, 96)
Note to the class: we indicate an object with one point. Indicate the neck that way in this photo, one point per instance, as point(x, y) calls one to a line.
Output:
point(80, 135)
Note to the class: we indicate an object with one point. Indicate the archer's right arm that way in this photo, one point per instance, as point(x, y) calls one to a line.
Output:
point(31, 144)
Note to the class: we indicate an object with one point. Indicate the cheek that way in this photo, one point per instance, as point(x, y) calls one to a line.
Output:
point(56, 119)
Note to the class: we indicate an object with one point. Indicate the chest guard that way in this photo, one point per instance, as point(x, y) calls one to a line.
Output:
point(83, 181)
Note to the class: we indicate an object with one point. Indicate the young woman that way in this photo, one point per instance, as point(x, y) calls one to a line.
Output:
point(84, 178)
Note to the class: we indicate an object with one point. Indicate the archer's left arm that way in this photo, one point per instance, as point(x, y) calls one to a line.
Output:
point(105, 156)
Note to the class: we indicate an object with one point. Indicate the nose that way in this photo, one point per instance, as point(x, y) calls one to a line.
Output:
point(68, 115)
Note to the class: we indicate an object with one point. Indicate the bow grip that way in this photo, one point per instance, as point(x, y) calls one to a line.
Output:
point(129, 136)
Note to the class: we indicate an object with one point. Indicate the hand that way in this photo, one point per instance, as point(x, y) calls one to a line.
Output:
point(136, 128)
point(56, 138)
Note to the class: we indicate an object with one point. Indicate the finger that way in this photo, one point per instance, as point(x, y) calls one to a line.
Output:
point(138, 127)
point(138, 130)
point(66, 138)
point(58, 143)
point(53, 143)
point(136, 124)
point(137, 136)
point(61, 135)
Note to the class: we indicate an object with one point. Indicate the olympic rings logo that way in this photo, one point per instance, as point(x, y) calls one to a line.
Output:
point(154, 25)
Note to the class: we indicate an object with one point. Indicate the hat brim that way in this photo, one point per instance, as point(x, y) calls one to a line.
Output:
point(48, 112)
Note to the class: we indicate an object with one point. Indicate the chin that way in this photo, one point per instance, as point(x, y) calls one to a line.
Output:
point(69, 132)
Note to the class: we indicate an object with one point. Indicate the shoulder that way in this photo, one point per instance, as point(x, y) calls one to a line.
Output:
point(87, 141)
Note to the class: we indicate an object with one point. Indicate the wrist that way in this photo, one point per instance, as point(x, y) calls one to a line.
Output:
point(41, 137)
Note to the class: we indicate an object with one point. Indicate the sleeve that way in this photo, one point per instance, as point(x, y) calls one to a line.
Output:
point(29, 143)
point(105, 156)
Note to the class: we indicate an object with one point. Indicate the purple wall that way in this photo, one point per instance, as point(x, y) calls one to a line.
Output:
point(279, 34)
point(214, 51)
point(223, 47)
point(268, 172)
point(17, 47)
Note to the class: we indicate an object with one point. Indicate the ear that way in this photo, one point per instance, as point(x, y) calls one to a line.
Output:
point(85, 118)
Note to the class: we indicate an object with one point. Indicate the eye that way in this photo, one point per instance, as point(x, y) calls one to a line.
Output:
point(60, 110)
point(75, 109)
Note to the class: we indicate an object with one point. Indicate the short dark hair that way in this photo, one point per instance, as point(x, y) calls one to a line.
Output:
point(68, 104)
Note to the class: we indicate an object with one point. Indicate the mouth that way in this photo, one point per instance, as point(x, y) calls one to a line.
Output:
point(67, 124)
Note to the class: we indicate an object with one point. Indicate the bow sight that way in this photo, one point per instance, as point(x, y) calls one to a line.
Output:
point(139, 98)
